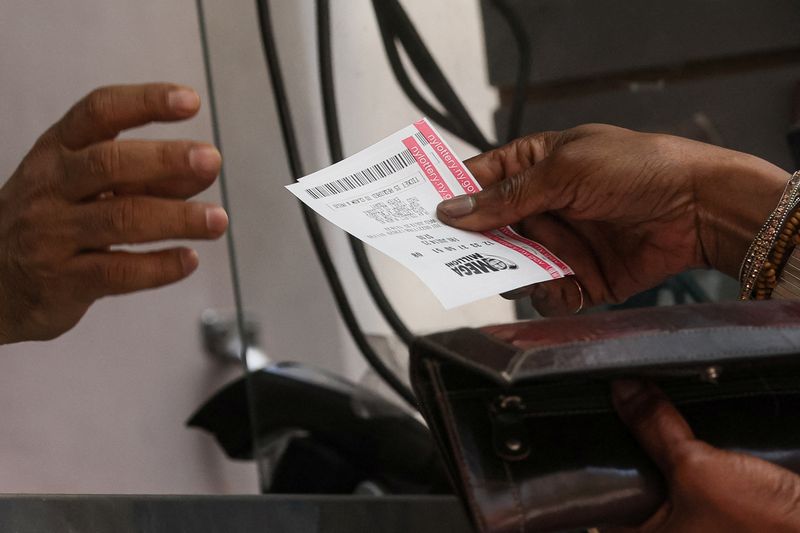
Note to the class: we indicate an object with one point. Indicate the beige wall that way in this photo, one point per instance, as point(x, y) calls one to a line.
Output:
point(102, 408)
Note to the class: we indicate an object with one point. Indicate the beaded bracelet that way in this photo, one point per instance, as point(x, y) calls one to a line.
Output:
point(787, 239)
point(762, 246)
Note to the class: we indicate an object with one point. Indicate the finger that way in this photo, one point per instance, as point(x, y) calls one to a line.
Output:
point(654, 421)
point(506, 202)
point(110, 273)
point(176, 169)
point(562, 297)
point(506, 161)
point(105, 112)
point(514, 185)
point(138, 219)
point(559, 297)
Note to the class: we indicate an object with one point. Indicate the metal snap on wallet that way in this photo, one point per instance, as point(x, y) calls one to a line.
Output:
point(523, 417)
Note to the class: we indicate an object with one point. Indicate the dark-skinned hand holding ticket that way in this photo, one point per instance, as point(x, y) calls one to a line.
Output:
point(386, 195)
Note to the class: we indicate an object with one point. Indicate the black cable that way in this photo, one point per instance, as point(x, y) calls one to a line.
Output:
point(395, 25)
point(327, 84)
point(429, 70)
point(402, 78)
point(229, 236)
point(318, 240)
point(524, 60)
point(328, 89)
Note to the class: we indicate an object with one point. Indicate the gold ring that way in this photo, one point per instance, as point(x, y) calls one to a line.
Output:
point(580, 291)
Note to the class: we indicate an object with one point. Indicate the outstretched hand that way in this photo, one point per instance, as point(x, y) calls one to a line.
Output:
point(79, 192)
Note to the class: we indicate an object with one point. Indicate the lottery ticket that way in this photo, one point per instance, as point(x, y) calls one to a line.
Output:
point(386, 195)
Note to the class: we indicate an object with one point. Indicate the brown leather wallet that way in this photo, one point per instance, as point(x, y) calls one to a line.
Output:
point(523, 417)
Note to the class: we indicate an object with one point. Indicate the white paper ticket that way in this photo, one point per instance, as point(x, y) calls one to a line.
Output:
point(386, 195)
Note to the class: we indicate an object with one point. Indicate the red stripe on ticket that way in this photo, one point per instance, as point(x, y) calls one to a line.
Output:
point(539, 248)
point(470, 186)
point(453, 163)
point(520, 250)
point(428, 168)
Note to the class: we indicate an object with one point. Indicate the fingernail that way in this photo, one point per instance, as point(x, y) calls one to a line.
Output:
point(189, 260)
point(458, 207)
point(516, 293)
point(216, 220)
point(205, 160)
point(183, 100)
point(625, 389)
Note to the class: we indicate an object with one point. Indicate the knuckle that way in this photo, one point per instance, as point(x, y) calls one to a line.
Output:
point(169, 155)
point(164, 155)
point(123, 215)
point(115, 273)
point(689, 462)
point(62, 172)
point(99, 105)
point(512, 191)
point(104, 161)
point(534, 148)
point(152, 99)
point(168, 269)
point(184, 219)
point(687, 457)
point(48, 140)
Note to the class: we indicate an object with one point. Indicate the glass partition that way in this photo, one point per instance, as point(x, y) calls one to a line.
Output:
point(686, 90)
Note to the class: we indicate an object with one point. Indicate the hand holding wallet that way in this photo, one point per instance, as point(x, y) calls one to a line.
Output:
point(523, 415)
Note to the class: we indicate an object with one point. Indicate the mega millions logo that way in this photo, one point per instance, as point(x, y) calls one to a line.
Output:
point(477, 264)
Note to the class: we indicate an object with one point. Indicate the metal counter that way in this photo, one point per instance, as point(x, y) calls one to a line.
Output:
point(223, 514)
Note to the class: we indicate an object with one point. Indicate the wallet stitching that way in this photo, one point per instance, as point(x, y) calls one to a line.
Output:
point(520, 358)
point(517, 497)
point(441, 392)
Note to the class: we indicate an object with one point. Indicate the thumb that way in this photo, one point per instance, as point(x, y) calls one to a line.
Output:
point(654, 421)
point(501, 204)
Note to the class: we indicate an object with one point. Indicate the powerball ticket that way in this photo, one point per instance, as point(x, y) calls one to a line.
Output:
point(386, 195)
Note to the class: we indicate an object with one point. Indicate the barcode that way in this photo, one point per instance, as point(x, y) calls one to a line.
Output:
point(421, 138)
point(369, 175)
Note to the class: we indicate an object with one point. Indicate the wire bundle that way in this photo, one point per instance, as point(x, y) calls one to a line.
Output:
point(396, 28)
point(312, 224)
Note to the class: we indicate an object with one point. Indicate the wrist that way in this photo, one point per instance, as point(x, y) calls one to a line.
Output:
point(735, 194)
